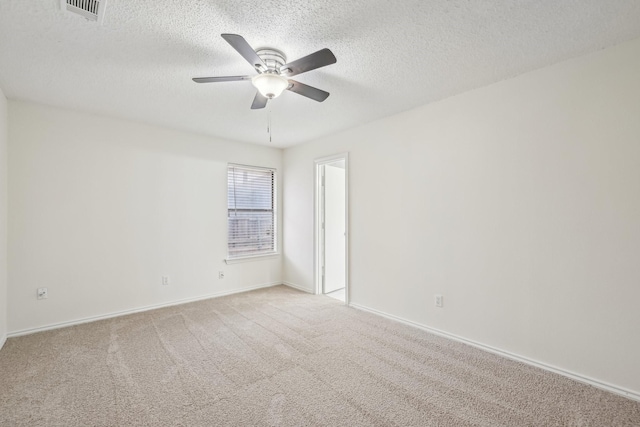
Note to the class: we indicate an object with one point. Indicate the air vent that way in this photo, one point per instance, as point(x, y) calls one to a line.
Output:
point(93, 10)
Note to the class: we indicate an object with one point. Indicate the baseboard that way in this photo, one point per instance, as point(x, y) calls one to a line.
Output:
point(135, 310)
point(298, 287)
point(574, 376)
point(3, 339)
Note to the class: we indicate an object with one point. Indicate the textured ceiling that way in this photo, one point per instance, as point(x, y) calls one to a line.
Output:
point(392, 56)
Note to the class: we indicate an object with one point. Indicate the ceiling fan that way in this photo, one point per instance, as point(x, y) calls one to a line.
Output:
point(274, 71)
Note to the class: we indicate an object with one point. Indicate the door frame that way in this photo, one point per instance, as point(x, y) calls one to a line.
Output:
point(318, 215)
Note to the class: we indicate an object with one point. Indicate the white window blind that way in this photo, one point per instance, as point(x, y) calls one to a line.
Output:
point(251, 211)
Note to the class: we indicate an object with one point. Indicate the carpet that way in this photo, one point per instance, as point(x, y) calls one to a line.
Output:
point(280, 357)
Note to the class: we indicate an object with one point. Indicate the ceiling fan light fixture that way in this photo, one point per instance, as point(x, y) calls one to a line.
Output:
point(273, 71)
point(270, 85)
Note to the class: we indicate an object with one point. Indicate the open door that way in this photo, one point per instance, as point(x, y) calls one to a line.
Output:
point(331, 226)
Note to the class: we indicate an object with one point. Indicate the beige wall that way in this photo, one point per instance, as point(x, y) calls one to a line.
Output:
point(101, 209)
point(519, 202)
point(3, 218)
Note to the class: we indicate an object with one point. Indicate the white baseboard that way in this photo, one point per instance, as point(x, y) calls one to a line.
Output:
point(578, 377)
point(3, 339)
point(298, 287)
point(135, 310)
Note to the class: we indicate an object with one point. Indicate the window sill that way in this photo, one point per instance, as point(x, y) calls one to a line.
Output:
point(251, 258)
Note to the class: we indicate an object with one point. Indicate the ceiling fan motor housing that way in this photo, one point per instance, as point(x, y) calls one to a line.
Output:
point(272, 58)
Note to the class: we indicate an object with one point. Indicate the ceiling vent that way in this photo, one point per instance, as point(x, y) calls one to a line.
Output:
point(93, 10)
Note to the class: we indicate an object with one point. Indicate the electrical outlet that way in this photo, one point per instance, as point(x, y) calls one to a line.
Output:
point(43, 293)
point(220, 274)
point(439, 300)
point(165, 280)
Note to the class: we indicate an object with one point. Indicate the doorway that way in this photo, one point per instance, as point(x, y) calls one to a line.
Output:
point(331, 227)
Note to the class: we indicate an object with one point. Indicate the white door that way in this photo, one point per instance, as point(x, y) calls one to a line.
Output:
point(334, 226)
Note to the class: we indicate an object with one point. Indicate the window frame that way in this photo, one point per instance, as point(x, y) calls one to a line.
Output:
point(231, 259)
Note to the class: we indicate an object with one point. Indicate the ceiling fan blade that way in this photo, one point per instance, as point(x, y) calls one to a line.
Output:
point(318, 59)
point(259, 101)
point(247, 52)
point(308, 91)
point(220, 79)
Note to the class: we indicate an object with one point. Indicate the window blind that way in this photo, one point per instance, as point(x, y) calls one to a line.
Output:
point(251, 211)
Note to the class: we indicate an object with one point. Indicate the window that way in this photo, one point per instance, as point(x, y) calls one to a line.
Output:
point(251, 211)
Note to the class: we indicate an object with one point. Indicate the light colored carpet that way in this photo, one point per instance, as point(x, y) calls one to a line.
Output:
point(280, 357)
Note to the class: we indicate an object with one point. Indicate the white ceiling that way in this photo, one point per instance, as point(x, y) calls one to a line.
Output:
point(392, 56)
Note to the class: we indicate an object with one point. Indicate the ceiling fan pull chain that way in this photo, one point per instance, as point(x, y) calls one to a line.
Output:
point(269, 121)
